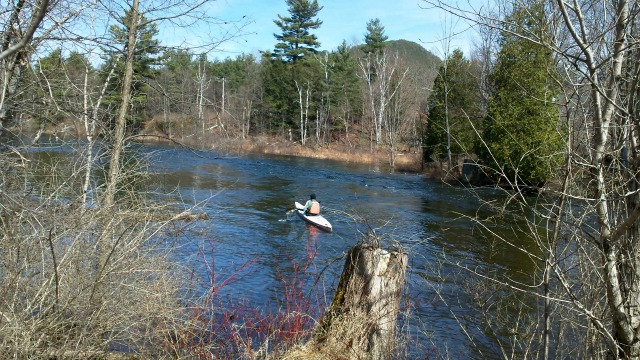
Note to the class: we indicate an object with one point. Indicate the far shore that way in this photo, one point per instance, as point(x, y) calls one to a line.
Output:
point(346, 150)
point(408, 161)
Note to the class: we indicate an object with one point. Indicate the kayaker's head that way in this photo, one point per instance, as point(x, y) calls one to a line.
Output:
point(312, 196)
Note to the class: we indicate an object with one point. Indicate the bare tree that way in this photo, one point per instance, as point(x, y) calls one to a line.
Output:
point(68, 268)
point(24, 28)
point(399, 110)
point(303, 100)
point(595, 210)
point(377, 75)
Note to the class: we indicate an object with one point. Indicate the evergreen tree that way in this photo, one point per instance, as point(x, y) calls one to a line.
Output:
point(453, 103)
point(146, 57)
point(52, 88)
point(60, 80)
point(296, 39)
point(279, 101)
point(345, 86)
point(176, 79)
point(289, 68)
point(521, 130)
point(280, 82)
point(374, 39)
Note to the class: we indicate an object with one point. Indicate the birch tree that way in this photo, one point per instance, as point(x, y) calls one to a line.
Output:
point(203, 85)
point(304, 92)
point(592, 221)
point(399, 110)
point(376, 75)
point(377, 71)
point(24, 26)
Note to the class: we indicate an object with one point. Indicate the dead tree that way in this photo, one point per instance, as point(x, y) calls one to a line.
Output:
point(361, 321)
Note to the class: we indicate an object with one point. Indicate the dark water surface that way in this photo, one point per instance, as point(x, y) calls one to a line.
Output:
point(247, 199)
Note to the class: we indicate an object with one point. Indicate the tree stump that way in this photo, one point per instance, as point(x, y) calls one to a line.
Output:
point(362, 319)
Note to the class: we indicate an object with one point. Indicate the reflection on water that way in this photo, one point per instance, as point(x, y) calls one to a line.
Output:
point(247, 199)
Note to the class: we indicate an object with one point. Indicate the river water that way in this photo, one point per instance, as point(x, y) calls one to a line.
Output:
point(247, 199)
point(252, 240)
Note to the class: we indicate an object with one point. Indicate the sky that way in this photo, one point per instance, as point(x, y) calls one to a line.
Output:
point(342, 20)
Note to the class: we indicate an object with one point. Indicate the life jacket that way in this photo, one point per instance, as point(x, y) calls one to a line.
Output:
point(314, 209)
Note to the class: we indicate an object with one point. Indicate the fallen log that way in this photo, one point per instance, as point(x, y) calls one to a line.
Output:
point(162, 217)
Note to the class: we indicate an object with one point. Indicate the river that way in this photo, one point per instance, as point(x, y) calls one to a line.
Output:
point(252, 240)
point(247, 199)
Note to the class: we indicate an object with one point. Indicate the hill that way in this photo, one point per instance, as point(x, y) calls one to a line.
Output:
point(423, 65)
point(415, 55)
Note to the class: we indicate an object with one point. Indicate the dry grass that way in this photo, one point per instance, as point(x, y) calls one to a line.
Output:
point(334, 151)
point(57, 298)
point(404, 162)
point(222, 141)
point(228, 141)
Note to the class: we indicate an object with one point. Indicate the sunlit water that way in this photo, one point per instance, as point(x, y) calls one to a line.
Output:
point(247, 199)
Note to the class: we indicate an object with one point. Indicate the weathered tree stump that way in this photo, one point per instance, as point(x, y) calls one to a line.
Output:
point(361, 321)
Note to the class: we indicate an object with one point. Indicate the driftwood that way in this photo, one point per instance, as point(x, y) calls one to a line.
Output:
point(161, 217)
point(362, 319)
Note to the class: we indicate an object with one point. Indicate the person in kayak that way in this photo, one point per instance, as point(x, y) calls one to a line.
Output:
point(312, 207)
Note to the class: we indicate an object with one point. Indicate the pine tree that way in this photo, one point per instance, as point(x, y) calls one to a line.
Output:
point(296, 39)
point(146, 57)
point(521, 130)
point(453, 105)
point(345, 87)
point(53, 87)
point(374, 39)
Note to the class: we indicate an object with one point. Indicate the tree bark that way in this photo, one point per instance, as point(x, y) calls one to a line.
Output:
point(109, 196)
point(121, 120)
point(13, 56)
point(361, 321)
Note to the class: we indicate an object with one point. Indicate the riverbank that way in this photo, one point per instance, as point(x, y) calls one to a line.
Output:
point(346, 150)
point(404, 161)
point(408, 161)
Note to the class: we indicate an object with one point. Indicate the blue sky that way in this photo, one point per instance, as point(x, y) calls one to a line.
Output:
point(342, 20)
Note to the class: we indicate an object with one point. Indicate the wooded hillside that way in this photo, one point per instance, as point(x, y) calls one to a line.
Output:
point(182, 95)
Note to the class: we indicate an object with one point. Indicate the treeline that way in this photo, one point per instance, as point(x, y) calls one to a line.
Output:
point(385, 95)
point(370, 94)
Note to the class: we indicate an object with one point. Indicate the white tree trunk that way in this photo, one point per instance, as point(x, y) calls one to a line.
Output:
point(304, 111)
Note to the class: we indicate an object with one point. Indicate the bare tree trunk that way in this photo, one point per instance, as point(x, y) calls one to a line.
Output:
point(361, 321)
point(617, 239)
point(446, 116)
point(304, 112)
point(90, 124)
point(13, 57)
point(118, 141)
point(203, 85)
point(246, 118)
point(121, 120)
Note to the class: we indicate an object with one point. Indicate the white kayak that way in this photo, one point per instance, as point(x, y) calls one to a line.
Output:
point(316, 220)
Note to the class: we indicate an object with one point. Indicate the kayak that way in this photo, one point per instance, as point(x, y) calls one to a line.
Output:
point(316, 220)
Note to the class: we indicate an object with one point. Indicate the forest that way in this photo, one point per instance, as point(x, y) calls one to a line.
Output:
point(369, 96)
point(546, 107)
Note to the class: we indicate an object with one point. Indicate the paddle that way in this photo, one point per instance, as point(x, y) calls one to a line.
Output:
point(292, 210)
